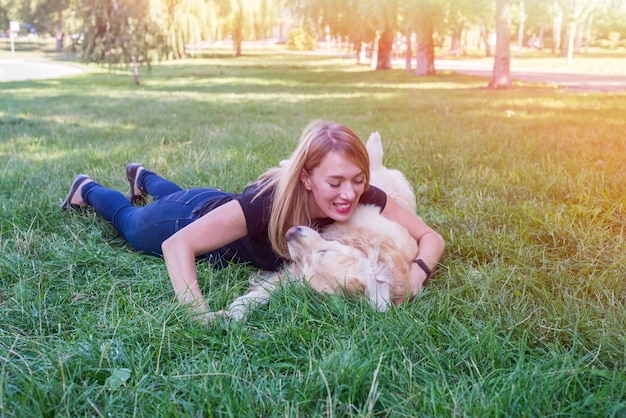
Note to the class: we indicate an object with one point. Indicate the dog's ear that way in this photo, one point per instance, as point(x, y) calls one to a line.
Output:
point(293, 269)
point(354, 286)
point(378, 290)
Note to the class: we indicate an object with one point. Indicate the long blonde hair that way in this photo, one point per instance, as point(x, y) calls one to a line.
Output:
point(290, 203)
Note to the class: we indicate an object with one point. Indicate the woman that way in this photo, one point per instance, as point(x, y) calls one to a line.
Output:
point(326, 178)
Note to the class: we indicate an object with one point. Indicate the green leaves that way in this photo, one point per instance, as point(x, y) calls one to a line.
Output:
point(117, 379)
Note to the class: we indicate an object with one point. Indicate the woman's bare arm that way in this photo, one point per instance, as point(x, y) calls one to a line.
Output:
point(430, 244)
point(217, 228)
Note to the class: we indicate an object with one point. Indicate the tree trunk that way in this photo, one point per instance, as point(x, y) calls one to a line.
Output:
point(374, 57)
point(238, 52)
point(238, 35)
point(409, 51)
point(501, 78)
point(360, 52)
point(58, 32)
point(385, 46)
point(133, 58)
point(556, 33)
point(425, 51)
point(127, 41)
point(571, 36)
point(456, 46)
point(520, 32)
point(484, 36)
point(565, 28)
point(588, 32)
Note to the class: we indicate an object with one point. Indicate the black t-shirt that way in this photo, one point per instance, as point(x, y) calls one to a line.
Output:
point(255, 248)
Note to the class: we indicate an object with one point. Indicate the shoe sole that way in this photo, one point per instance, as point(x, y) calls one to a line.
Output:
point(78, 180)
point(131, 174)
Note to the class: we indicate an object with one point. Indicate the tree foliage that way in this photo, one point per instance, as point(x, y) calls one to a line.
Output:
point(170, 29)
point(302, 38)
point(119, 32)
point(10, 10)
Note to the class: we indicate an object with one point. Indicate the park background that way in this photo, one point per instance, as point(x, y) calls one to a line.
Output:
point(524, 317)
point(142, 32)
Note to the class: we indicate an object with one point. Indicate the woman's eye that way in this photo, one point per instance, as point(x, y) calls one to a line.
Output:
point(334, 185)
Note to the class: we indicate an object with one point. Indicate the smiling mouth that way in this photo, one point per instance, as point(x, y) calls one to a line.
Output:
point(343, 207)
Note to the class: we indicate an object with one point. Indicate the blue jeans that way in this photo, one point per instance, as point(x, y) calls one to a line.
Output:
point(146, 227)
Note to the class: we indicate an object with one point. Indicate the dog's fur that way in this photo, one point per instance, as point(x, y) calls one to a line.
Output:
point(391, 181)
point(368, 255)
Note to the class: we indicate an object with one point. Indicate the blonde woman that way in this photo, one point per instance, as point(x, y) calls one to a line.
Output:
point(327, 177)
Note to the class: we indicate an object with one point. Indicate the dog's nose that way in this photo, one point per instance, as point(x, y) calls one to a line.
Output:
point(294, 230)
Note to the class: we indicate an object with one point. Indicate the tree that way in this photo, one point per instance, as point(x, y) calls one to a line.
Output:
point(182, 23)
point(385, 49)
point(5, 13)
point(456, 25)
point(247, 19)
point(363, 21)
point(463, 18)
point(425, 47)
point(501, 77)
point(238, 21)
point(609, 22)
point(126, 37)
point(354, 28)
point(520, 30)
point(418, 16)
point(378, 22)
point(578, 11)
point(60, 8)
point(535, 17)
point(46, 16)
point(9, 10)
point(119, 32)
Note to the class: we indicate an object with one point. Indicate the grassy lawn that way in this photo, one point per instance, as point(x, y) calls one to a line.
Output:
point(525, 316)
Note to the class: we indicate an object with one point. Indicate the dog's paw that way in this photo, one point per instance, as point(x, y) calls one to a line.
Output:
point(212, 316)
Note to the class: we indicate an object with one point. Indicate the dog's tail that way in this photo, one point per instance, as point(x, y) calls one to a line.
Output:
point(374, 147)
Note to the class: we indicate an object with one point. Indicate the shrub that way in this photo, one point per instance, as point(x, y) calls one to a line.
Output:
point(301, 39)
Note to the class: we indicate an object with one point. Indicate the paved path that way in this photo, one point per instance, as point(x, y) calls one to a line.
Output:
point(19, 70)
point(570, 80)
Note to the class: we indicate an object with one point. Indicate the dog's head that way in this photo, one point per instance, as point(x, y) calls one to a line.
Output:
point(388, 248)
point(359, 265)
point(329, 266)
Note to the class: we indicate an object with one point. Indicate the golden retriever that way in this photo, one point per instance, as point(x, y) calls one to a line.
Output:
point(368, 255)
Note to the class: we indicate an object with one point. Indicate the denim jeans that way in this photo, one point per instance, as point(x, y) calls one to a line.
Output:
point(146, 227)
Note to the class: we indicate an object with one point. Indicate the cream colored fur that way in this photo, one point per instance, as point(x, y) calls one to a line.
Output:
point(368, 255)
point(391, 181)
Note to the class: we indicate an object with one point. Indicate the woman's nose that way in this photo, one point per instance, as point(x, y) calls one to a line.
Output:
point(347, 192)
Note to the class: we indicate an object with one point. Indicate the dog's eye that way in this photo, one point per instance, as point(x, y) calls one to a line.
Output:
point(321, 253)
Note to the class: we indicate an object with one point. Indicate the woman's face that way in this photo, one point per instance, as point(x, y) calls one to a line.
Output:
point(335, 187)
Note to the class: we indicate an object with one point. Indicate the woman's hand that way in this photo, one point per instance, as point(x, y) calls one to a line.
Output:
point(417, 279)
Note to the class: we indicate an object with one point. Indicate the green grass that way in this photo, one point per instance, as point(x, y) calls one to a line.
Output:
point(525, 316)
